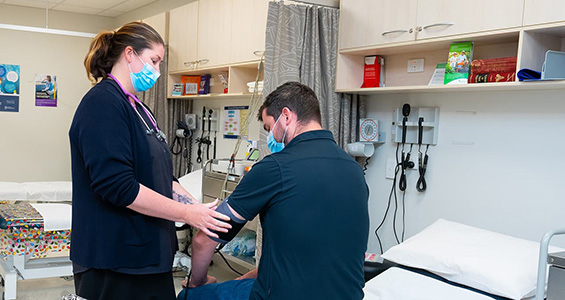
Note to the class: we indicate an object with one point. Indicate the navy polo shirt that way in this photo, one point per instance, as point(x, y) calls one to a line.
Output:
point(312, 201)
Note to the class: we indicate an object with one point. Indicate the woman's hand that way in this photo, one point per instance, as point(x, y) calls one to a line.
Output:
point(206, 218)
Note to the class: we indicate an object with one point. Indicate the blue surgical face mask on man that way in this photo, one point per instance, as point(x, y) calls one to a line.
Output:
point(144, 79)
point(273, 145)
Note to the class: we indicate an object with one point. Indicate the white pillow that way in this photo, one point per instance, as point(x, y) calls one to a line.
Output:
point(492, 262)
point(398, 284)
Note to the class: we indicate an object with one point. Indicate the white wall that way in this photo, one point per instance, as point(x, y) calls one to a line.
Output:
point(34, 144)
point(498, 164)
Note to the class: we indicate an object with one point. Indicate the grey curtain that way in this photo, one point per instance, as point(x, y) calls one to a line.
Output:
point(182, 162)
point(301, 45)
point(168, 112)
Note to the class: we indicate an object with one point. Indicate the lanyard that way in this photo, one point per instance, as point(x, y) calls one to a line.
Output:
point(157, 131)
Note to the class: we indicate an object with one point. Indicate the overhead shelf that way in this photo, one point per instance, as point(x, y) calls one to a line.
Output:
point(215, 96)
point(239, 74)
point(473, 87)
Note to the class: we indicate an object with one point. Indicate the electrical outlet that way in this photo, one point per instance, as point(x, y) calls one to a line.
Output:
point(415, 65)
point(390, 167)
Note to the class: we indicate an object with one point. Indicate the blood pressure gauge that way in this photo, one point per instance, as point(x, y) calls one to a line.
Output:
point(368, 130)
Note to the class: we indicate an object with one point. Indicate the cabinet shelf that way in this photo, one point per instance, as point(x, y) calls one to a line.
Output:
point(350, 63)
point(473, 87)
point(239, 75)
point(214, 96)
point(203, 69)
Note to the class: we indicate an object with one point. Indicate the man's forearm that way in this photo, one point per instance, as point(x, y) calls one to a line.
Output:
point(202, 251)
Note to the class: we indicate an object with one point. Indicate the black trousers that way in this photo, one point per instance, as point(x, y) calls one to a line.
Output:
point(95, 284)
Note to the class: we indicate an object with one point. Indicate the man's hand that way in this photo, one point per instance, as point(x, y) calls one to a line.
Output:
point(250, 274)
point(191, 284)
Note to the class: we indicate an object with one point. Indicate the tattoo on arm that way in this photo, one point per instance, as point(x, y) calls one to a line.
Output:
point(182, 198)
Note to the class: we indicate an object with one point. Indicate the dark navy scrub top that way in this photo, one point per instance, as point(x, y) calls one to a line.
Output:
point(111, 155)
point(312, 200)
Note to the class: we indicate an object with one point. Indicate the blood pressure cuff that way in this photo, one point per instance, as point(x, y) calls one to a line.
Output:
point(235, 222)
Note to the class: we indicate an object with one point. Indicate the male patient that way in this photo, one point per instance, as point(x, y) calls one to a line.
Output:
point(312, 200)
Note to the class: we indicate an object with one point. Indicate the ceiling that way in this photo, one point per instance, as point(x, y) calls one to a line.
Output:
point(106, 8)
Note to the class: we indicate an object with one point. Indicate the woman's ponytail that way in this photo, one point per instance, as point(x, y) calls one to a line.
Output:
point(97, 62)
point(107, 47)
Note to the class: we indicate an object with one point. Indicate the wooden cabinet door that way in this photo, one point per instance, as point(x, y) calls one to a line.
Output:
point(160, 23)
point(183, 36)
point(437, 18)
point(214, 32)
point(248, 29)
point(369, 22)
point(543, 11)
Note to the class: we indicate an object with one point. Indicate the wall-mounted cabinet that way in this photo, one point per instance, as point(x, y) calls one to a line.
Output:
point(249, 19)
point(214, 32)
point(440, 18)
point(217, 36)
point(183, 36)
point(543, 11)
point(365, 22)
point(495, 32)
point(160, 23)
point(368, 23)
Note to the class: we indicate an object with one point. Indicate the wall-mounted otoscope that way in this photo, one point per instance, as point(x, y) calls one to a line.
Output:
point(405, 162)
point(421, 185)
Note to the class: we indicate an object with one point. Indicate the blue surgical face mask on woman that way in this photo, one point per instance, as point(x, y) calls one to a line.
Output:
point(273, 145)
point(144, 79)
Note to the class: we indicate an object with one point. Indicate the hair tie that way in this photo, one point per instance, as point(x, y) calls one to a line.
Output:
point(111, 35)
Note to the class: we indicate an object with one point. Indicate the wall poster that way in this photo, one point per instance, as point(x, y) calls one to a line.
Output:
point(234, 116)
point(9, 88)
point(45, 90)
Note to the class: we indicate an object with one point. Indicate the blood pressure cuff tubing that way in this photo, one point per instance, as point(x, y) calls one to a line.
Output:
point(235, 222)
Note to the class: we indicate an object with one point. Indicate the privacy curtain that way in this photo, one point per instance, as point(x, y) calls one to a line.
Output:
point(301, 45)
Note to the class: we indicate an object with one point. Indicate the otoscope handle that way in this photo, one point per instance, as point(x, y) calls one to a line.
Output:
point(420, 130)
point(404, 129)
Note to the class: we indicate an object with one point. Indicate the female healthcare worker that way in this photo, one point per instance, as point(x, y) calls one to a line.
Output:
point(123, 235)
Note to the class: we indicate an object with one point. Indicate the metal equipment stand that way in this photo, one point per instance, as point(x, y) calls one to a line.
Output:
point(554, 286)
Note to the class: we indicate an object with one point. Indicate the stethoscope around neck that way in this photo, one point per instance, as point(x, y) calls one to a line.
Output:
point(158, 133)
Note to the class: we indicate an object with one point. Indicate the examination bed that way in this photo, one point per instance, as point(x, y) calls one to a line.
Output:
point(35, 227)
point(448, 260)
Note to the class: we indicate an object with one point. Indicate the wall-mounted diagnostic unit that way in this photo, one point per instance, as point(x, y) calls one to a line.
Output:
point(419, 123)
